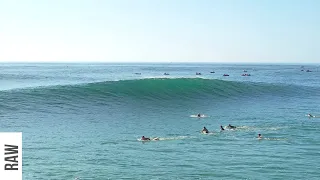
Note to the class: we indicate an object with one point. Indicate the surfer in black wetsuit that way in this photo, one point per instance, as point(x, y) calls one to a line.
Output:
point(145, 138)
point(222, 129)
point(309, 115)
point(199, 115)
point(205, 130)
point(231, 127)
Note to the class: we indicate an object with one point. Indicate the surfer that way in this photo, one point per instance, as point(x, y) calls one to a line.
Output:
point(205, 130)
point(145, 138)
point(259, 136)
point(309, 115)
point(231, 127)
point(199, 115)
point(222, 129)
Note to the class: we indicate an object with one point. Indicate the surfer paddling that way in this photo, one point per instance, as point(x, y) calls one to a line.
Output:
point(148, 139)
point(145, 138)
point(231, 127)
point(310, 116)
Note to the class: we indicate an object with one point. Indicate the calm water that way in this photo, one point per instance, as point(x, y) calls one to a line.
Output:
point(84, 121)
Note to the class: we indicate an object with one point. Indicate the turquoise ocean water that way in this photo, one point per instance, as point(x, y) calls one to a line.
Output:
point(84, 121)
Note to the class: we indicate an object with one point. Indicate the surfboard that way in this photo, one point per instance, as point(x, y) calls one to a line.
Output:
point(209, 133)
point(151, 139)
point(312, 116)
point(196, 116)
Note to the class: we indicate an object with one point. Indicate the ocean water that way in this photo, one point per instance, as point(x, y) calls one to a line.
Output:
point(85, 121)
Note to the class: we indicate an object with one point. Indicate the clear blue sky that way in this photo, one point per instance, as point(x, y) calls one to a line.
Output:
point(160, 30)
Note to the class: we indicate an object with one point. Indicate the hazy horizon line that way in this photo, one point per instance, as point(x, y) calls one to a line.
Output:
point(149, 62)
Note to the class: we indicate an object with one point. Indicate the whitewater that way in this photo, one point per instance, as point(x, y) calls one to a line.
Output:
point(85, 121)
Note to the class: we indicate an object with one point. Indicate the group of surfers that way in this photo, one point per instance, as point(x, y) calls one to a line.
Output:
point(204, 131)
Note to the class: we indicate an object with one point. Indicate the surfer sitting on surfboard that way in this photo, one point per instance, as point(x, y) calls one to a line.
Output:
point(205, 130)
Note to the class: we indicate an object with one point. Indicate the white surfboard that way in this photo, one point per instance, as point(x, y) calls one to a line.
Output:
point(196, 116)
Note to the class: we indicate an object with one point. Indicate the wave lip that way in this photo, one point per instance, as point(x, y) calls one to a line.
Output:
point(158, 88)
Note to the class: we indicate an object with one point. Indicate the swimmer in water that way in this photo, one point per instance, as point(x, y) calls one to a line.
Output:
point(222, 129)
point(205, 130)
point(259, 136)
point(199, 115)
point(145, 138)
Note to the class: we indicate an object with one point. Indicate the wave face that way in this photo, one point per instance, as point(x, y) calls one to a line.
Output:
point(157, 89)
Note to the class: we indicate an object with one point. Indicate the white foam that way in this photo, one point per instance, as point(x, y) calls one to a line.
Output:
point(201, 116)
point(166, 138)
